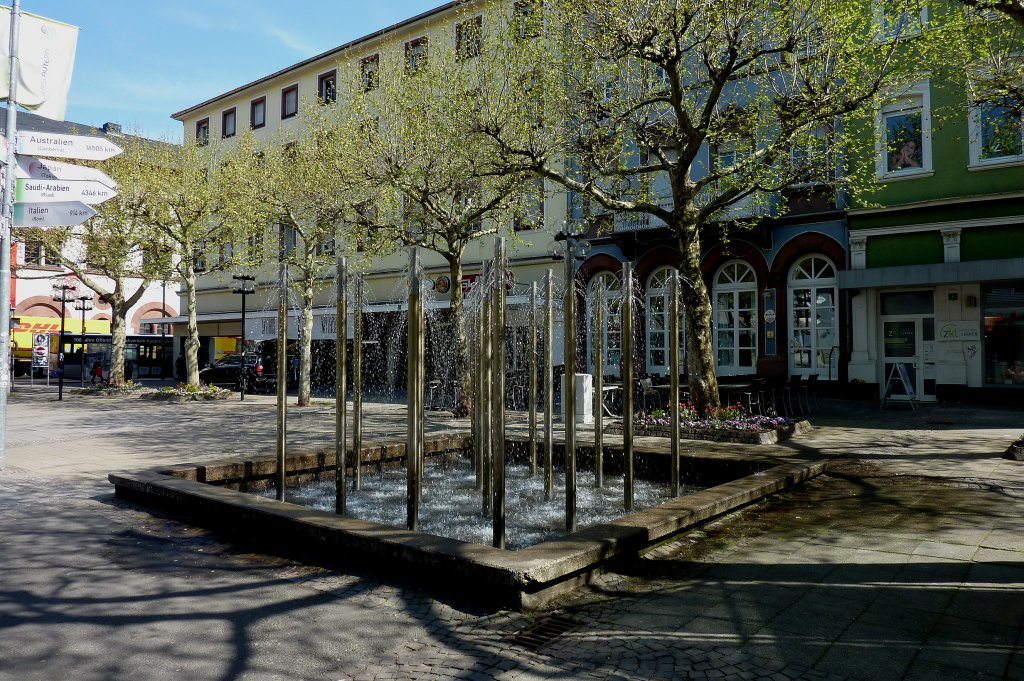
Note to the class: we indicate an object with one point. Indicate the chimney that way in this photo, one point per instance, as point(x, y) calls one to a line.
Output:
point(112, 128)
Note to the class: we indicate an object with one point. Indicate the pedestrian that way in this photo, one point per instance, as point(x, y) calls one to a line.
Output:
point(97, 372)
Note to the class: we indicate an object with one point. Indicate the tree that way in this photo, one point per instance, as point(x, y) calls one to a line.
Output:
point(408, 160)
point(175, 191)
point(113, 244)
point(285, 190)
point(696, 114)
point(987, 38)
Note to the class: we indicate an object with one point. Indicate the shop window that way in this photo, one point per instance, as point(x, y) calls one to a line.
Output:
point(1003, 310)
point(813, 332)
point(735, 319)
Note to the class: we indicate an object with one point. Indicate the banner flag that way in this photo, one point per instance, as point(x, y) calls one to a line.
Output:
point(46, 57)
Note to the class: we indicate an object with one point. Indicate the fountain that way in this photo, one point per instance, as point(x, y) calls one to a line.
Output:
point(447, 497)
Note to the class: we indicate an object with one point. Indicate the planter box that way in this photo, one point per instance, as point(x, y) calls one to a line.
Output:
point(751, 437)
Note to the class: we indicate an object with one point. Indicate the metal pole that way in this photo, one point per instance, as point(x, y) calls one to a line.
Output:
point(478, 392)
point(569, 391)
point(549, 384)
point(6, 228)
point(598, 336)
point(673, 368)
point(282, 376)
point(414, 415)
point(627, 385)
point(83, 305)
point(242, 369)
point(498, 465)
point(532, 367)
point(60, 345)
point(488, 415)
point(357, 385)
point(340, 343)
point(163, 331)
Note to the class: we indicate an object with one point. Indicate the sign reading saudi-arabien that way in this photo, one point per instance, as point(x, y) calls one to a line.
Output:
point(40, 191)
point(66, 146)
point(56, 214)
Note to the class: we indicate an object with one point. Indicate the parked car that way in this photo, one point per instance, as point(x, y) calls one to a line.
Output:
point(226, 372)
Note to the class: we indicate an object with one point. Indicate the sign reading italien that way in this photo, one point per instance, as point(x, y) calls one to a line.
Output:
point(55, 214)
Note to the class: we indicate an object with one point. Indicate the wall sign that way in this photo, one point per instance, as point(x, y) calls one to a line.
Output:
point(959, 331)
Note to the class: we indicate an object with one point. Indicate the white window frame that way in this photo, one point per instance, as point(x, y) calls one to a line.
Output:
point(813, 283)
point(660, 290)
point(917, 97)
point(974, 127)
point(612, 319)
point(734, 288)
point(878, 13)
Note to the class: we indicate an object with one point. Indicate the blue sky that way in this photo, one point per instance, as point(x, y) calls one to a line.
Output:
point(138, 61)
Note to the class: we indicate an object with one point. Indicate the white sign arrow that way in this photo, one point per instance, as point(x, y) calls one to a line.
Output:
point(32, 168)
point(85, 191)
point(56, 214)
point(66, 146)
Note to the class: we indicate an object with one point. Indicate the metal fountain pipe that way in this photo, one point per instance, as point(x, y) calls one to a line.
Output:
point(598, 336)
point(549, 384)
point(340, 343)
point(673, 368)
point(414, 410)
point(627, 385)
point(488, 393)
point(357, 385)
point(498, 461)
point(282, 377)
point(569, 391)
point(532, 368)
point(478, 393)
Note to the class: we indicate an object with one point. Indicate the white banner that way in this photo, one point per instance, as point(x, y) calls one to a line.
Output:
point(46, 54)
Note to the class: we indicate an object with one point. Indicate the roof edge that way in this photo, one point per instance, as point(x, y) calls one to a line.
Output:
point(178, 115)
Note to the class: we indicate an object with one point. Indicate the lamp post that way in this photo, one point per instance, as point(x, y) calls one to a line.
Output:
point(163, 330)
point(60, 293)
point(243, 289)
point(84, 304)
point(576, 247)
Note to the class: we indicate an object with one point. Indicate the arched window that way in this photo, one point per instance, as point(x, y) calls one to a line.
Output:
point(612, 331)
point(813, 329)
point(657, 311)
point(735, 310)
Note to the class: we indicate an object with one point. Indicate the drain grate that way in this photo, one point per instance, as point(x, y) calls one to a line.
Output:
point(543, 631)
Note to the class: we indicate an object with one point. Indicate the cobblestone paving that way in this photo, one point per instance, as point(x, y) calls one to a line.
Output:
point(905, 562)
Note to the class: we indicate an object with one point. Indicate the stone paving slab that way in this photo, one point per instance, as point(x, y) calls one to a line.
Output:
point(833, 580)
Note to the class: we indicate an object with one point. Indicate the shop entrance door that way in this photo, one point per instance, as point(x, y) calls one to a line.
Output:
point(910, 341)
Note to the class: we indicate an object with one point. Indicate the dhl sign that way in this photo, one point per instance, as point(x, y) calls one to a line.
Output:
point(22, 335)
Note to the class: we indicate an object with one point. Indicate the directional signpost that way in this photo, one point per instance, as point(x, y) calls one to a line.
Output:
point(52, 214)
point(66, 146)
point(32, 168)
point(86, 191)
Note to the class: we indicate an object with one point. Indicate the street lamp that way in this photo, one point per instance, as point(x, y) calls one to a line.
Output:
point(243, 289)
point(84, 303)
point(61, 290)
point(576, 247)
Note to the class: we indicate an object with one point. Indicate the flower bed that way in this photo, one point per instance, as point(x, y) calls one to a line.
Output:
point(105, 390)
point(725, 424)
point(184, 392)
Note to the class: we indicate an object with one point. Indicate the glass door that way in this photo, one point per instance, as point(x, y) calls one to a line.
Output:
point(900, 343)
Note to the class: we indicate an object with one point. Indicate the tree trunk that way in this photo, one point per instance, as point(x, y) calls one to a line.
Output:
point(306, 344)
point(464, 404)
point(700, 349)
point(118, 340)
point(188, 279)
